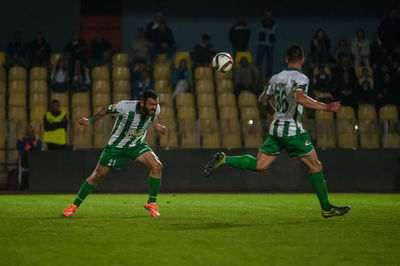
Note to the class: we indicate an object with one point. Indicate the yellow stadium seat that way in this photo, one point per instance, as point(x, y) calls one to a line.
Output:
point(228, 112)
point(360, 69)
point(38, 73)
point(37, 112)
point(101, 72)
point(161, 58)
point(323, 96)
point(239, 56)
point(3, 74)
point(391, 140)
point(3, 126)
point(347, 137)
point(326, 68)
point(388, 112)
point(163, 86)
point(38, 99)
point(62, 98)
point(54, 60)
point(101, 86)
point(207, 113)
point(2, 100)
point(182, 55)
point(165, 99)
point(230, 131)
point(225, 86)
point(188, 133)
point(252, 133)
point(223, 76)
point(122, 86)
point(120, 59)
point(121, 72)
point(366, 111)
point(17, 86)
point(186, 112)
point(17, 113)
point(80, 111)
point(2, 112)
point(80, 99)
point(17, 99)
point(247, 98)
point(121, 96)
point(151, 137)
point(203, 73)
point(204, 86)
point(171, 138)
point(184, 99)
point(226, 99)
point(167, 112)
point(323, 115)
point(345, 112)
point(249, 113)
point(211, 141)
point(209, 127)
point(325, 128)
point(369, 133)
point(100, 100)
point(162, 71)
point(205, 99)
point(38, 86)
point(2, 58)
point(3, 86)
point(17, 73)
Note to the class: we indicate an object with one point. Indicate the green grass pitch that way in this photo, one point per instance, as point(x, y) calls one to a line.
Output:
point(199, 229)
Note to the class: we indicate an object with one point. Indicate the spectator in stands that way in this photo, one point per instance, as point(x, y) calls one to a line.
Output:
point(39, 51)
point(55, 127)
point(246, 76)
point(387, 93)
point(341, 50)
point(29, 142)
point(140, 48)
point(366, 93)
point(203, 52)
point(239, 35)
point(137, 72)
point(377, 51)
point(145, 83)
point(80, 79)
point(320, 48)
point(360, 49)
point(76, 49)
point(152, 26)
point(379, 74)
point(181, 78)
point(16, 51)
point(101, 51)
point(60, 76)
point(164, 42)
point(344, 66)
point(389, 34)
point(365, 78)
point(266, 42)
point(321, 81)
point(346, 90)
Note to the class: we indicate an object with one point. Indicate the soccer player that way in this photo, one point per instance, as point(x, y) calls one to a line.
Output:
point(289, 88)
point(127, 141)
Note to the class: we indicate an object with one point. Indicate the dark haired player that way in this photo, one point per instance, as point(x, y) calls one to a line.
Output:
point(289, 88)
point(127, 141)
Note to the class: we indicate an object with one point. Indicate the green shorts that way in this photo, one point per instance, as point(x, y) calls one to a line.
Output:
point(296, 146)
point(115, 157)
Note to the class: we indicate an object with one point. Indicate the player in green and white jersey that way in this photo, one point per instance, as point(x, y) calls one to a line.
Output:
point(127, 140)
point(289, 88)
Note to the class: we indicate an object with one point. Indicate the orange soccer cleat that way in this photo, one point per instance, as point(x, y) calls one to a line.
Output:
point(152, 208)
point(70, 210)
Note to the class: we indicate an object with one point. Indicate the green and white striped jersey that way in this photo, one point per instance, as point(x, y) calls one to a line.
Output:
point(131, 126)
point(288, 114)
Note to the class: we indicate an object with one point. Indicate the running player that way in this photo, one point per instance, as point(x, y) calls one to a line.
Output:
point(127, 141)
point(289, 88)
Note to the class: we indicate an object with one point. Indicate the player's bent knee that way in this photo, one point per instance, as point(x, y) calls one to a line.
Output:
point(157, 168)
point(96, 177)
point(316, 167)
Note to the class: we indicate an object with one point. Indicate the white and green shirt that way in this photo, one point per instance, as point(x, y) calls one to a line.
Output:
point(288, 114)
point(131, 126)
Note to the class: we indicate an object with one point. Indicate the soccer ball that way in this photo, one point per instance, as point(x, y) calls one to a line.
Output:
point(222, 62)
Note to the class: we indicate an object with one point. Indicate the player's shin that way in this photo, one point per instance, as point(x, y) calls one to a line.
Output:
point(83, 192)
point(319, 184)
point(243, 161)
point(154, 187)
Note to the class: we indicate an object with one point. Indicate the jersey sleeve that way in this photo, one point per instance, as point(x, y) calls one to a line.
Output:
point(268, 89)
point(158, 110)
point(116, 109)
point(300, 83)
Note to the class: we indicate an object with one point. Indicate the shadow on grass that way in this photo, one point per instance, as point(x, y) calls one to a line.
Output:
point(203, 226)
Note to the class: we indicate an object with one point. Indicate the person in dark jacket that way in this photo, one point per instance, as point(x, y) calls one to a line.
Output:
point(39, 51)
point(239, 35)
point(164, 41)
point(203, 52)
point(389, 34)
point(28, 143)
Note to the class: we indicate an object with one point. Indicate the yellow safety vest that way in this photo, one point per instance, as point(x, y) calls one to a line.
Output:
point(56, 136)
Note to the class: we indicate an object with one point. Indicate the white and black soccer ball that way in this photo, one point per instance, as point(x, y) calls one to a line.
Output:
point(222, 62)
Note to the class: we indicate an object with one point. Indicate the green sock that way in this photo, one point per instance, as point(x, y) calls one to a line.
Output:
point(154, 186)
point(243, 161)
point(85, 190)
point(319, 184)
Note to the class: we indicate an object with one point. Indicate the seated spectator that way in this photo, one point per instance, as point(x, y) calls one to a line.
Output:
point(16, 51)
point(144, 83)
point(140, 48)
point(321, 81)
point(320, 45)
point(360, 49)
point(239, 35)
point(387, 92)
point(343, 66)
point(365, 77)
point(246, 76)
point(59, 77)
point(345, 90)
point(342, 50)
point(379, 74)
point(55, 127)
point(39, 51)
point(28, 143)
point(377, 51)
point(203, 52)
point(137, 72)
point(366, 93)
point(76, 49)
point(101, 51)
point(181, 78)
point(80, 79)
point(164, 42)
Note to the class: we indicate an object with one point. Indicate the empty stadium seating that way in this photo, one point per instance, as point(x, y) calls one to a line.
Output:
point(38, 73)
point(203, 73)
point(247, 98)
point(101, 86)
point(325, 127)
point(162, 72)
point(101, 72)
point(225, 86)
point(122, 86)
point(204, 86)
point(368, 126)
point(226, 99)
point(184, 99)
point(205, 99)
point(120, 59)
point(17, 73)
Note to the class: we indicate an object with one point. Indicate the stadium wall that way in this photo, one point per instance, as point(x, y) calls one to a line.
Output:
point(361, 170)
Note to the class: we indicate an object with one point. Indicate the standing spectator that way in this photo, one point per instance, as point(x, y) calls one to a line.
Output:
point(55, 127)
point(152, 26)
point(266, 42)
point(28, 143)
point(59, 77)
point(365, 78)
point(321, 81)
point(346, 90)
point(246, 76)
point(377, 51)
point(239, 35)
point(80, 79)
point(341, 50)
point(181, 78)
point(320, 46)
point(203, 52)
point(76, 49)
point(145, 83)
point(17, 51)
point(360, 49)
point(140, 48)
point(164, 41)
point(389, 34)
point(101, 50)
point(39, 51)
point(366, 93)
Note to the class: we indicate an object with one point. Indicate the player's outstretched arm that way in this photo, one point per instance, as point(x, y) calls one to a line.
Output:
point(304, 100)
point(102, 112)
point(160, 128)
point(264, 101)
